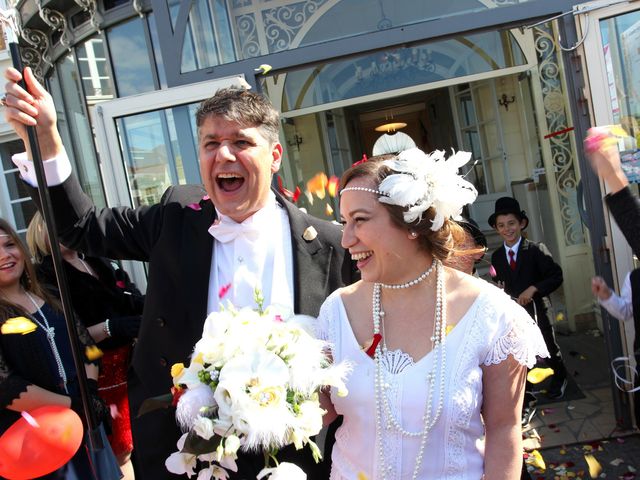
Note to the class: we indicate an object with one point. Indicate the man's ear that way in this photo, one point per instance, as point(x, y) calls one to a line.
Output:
point(276, 153)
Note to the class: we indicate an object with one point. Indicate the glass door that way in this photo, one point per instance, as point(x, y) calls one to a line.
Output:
point(148, 142)
point(480, 132)
point(614, 80)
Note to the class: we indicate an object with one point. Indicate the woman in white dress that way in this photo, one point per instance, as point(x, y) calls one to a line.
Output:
point(439, 357)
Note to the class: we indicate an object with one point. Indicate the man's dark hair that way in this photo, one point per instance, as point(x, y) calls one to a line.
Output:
point(243, 107)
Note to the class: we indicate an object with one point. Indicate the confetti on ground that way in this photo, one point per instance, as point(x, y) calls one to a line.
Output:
point(615, 458)
point(595, 469)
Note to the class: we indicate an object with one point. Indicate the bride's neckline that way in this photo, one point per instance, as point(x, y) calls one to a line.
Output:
point(399, 352)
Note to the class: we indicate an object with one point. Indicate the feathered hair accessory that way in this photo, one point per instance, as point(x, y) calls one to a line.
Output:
point(426, 180)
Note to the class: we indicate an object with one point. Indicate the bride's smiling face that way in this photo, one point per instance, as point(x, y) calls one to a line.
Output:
point(383, 251)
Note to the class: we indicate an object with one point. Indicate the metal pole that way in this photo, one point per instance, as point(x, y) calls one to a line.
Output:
point(95, 442)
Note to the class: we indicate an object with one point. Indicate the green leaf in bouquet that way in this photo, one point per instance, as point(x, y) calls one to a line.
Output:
point(155, 403)
point(196, 445)
point(315, 451)
point(258, 297)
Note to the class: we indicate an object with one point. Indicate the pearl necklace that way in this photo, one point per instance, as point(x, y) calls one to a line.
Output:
point(383, 409)
point(410, 283)
point(51, 334)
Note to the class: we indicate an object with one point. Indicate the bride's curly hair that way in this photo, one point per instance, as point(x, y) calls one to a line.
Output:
point(440, 243)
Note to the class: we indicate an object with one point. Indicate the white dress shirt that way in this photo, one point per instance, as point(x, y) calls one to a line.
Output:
point(56, 169)
point(259, 257)
point(621, 307)
point(515, 249)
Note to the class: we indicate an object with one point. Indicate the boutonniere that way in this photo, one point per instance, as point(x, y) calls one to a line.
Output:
point(310, 234)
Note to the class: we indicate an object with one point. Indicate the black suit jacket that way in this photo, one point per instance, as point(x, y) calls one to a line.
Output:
point(173, 237)
point(533, 267)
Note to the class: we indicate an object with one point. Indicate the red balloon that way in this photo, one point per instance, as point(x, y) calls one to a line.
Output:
point(30, 451)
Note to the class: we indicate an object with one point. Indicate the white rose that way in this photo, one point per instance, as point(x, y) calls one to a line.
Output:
point(203, 427)
point(284, 471)
point(231, 445)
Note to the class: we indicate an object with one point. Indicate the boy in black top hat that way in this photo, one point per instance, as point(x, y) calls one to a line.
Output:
point(528, 274)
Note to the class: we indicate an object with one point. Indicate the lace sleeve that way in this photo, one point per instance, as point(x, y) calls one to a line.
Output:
point(518, 336)
point(85, 340)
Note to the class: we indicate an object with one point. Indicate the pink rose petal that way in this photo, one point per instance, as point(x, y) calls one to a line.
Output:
point(492, 271)
point(223, 290)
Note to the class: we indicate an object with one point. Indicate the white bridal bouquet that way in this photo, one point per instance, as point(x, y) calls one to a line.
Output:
point(252, 385)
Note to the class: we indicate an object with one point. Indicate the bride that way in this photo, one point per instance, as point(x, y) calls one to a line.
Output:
point(439, 357)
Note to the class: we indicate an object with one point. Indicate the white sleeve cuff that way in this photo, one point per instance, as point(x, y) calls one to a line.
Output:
point(56, 169)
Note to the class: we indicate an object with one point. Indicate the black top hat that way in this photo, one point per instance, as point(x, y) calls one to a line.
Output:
point(470, 226)
point(506, 205)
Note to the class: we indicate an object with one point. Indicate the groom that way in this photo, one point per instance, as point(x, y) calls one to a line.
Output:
point(234, 234)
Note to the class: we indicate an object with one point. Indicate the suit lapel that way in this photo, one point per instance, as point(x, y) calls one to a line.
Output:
point(196, 255)
point(311, 260)
point(523, 253)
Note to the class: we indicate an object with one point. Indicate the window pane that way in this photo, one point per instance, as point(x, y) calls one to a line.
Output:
point(75, 127)
point(399, 68)
point(355, 17)
point(23, 212)
point(8, 149)
point(208, 37)
point(130, 58)
point(16, 186)
point(620, 39)
point(153, 29)
point(157, 146)
point(95, 77)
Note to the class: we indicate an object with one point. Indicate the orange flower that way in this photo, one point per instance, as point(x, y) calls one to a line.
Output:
point(332, 186)
point(318, 184)
point(328, 210)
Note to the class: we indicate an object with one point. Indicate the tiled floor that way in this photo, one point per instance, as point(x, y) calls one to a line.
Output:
point(563, 423)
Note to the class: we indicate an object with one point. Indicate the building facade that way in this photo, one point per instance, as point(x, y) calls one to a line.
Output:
point(515, 82)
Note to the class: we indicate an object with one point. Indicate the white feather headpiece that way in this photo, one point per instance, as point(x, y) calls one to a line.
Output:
point(426, 180)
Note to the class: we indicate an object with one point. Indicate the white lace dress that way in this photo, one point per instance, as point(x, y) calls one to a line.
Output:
point(492, 328)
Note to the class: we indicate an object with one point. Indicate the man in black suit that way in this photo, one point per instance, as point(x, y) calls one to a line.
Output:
point(261, 240)
point(528, 274)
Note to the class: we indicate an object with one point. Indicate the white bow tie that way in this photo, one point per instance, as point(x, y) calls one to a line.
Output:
point(227, 230)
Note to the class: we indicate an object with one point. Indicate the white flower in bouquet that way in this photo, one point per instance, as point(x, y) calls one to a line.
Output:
point(252, 385)
point(284, 471)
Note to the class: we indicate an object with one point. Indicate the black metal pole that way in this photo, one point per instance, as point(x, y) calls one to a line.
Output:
point(95, 440)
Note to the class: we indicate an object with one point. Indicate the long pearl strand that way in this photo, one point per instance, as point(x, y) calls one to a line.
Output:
point(439, 350)
point(51, 334)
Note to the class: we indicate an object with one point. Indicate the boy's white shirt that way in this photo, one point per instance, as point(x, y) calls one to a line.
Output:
point(515, 249)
